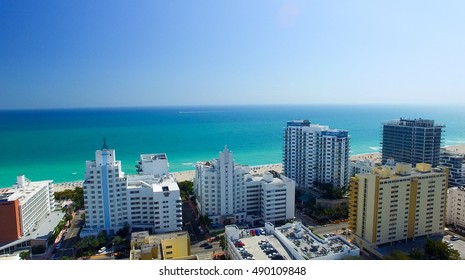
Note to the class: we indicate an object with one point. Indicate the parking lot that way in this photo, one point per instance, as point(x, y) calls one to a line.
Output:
point(459, 245)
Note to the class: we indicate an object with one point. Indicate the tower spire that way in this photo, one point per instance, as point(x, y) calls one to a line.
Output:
point(104, 147)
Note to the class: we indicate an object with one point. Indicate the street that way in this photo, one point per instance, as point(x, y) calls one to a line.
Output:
point(70, 237)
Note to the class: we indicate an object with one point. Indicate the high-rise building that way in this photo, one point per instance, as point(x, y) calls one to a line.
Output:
point(391, 205)
point(227, 193)
point(105, 198)
point(147, 201)
point(314, 153)
point(22, 206)
point(412, 141)
point(220, 190)
point(269, 198)
point(154, 203)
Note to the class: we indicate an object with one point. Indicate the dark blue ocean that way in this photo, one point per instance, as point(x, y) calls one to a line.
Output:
point(54, 144)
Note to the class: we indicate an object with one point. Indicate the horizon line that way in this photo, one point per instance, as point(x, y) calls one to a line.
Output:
point(225, 105)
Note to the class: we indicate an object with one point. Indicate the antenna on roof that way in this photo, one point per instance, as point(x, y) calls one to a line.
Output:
point(104, 147)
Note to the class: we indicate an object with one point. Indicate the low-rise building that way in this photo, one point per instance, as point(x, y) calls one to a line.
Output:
point(361, 166)
point(167, 246)
point(291, 241)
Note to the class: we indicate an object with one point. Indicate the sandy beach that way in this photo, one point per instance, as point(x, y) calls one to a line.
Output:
point(456, 148)
point(59, 187)
point(376, 157)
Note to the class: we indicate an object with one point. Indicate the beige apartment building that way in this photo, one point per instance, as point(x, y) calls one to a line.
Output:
point(455, 207)
point(387, 206)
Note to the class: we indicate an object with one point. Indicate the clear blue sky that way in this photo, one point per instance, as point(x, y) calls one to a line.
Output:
point(61, 54)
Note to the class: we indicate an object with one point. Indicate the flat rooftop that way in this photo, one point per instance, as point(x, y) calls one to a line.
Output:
point(158, 184)
point(312, 246)
point(148, 157)
point(291, 241)
point(23, 193)
point(41, 231)
point(252, 245)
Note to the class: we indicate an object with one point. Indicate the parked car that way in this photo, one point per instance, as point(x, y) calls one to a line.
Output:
point(204, 244)
point(277, 257)
point(240, 244)
point(454, 238)
point(208, 246)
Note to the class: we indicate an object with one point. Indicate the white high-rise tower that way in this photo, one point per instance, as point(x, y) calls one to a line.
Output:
point(105, 192)
point(314, 153)
point(220, 190)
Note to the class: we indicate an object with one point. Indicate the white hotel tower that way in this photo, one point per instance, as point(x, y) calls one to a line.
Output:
point(105, 198)
point(149, 200)
point(315, 153)
point(220, 190)
point(228, 193)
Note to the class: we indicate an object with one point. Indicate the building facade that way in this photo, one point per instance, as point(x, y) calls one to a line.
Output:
point(105, 197)
point(220, 189)
point(227, 193)
point(455, 207)
point(154, 203)
point(314, 153)
point(412, 141)
point(147, 201)
point(361, 166)
point(387, 206)
point(167, 246)
point(22, 206)
point(454, 161)
point(270, 198)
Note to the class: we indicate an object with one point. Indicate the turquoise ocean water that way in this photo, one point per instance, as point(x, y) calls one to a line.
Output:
point(54, 144)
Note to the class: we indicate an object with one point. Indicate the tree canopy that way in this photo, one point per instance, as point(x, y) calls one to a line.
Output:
point(432, 250)
point(76, 195)
point(186, 189)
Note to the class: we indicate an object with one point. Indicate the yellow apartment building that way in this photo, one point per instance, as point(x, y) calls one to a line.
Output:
point(166, 246)
point(400, 204)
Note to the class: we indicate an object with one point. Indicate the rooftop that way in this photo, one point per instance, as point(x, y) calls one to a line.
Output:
point(259, 247)
point(158, 184)
point(311, 246)
point(291, 241)
point(41, 230)
point(24, 191)
point(413, 122)
point(148, 157)
point(405, 170)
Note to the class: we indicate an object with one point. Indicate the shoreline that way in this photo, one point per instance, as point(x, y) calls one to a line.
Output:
point(188, 175)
